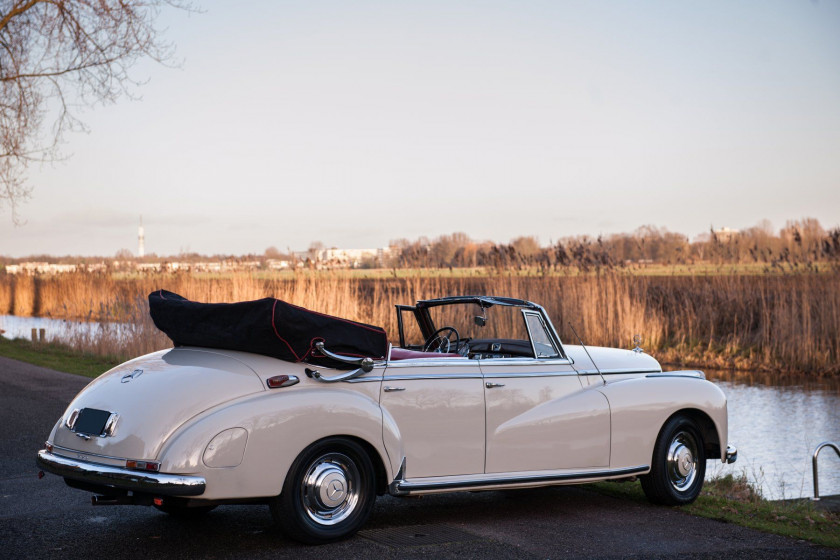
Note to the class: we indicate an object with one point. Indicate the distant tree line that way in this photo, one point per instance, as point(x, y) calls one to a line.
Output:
point(801, 243)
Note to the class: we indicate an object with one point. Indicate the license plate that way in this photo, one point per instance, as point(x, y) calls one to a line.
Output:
point(91, 421)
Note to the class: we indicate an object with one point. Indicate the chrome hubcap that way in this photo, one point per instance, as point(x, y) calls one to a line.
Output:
point(682, 461)
point(330, 487)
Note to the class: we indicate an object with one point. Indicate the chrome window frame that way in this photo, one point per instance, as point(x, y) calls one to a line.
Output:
point(530, 313)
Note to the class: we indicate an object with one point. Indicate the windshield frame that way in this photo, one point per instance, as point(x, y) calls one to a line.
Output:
point(428, 327)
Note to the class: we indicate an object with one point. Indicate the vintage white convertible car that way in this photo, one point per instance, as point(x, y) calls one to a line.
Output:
point(480, 394)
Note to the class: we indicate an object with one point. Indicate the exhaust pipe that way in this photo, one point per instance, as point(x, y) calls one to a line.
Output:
point(123, 500)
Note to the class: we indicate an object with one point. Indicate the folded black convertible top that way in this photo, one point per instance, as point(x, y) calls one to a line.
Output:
point(266, 326)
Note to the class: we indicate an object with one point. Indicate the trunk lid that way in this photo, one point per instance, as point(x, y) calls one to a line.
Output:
point(154, 395)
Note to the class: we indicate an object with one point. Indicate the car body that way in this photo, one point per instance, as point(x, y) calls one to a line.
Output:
point(509, 406)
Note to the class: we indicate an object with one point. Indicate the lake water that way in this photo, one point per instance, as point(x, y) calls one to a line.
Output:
point(55, 329)
point(774, 426)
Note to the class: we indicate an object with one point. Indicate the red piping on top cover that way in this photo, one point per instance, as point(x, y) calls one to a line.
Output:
point(316, 339)
point(289, 346)
point(374, 329)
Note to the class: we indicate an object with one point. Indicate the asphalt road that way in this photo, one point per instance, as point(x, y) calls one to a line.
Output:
point(46, 519)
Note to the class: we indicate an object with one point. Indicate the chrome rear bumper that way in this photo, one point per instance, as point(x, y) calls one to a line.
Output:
point(731, 454)
point(137, 481)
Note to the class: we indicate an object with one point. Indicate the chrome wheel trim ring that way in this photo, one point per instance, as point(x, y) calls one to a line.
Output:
point(681, 462)
point(330, 489)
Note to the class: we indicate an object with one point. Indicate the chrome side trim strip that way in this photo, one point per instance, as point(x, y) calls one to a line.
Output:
point(76, 452)
point(530, 374)
point(432, 362)
point(649, 373)
point(403, 487)
point(438, 376)
point(618, 371)
point(136, 481)
point(686, 374)
point(526, 361)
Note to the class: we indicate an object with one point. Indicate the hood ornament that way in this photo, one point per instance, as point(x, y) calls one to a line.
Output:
point(637, 340)
point(133, 375)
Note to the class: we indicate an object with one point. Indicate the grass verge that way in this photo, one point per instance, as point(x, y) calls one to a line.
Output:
point(57, 357)
point(732, 500)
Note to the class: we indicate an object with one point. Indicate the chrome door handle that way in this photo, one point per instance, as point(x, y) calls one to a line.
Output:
point(388, 389)
point(493, 385)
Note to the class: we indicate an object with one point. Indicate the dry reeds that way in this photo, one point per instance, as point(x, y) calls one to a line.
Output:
point(774, 323)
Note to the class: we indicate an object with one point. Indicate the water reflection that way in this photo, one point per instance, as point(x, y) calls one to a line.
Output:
point(776, 428)
point(55, 329)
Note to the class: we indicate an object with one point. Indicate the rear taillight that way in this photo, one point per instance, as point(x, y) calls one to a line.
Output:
point(279, 381)
point(152, 466)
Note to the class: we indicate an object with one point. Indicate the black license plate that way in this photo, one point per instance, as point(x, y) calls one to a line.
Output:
point(91, 421)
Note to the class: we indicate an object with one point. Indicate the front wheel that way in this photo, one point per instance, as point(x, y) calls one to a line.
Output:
point(328, 494)
point(679, 464)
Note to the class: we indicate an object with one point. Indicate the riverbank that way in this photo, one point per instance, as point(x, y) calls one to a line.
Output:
point(58, 357)
point(731, 499)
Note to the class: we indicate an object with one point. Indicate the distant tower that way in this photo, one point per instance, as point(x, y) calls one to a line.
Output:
point(141, 240)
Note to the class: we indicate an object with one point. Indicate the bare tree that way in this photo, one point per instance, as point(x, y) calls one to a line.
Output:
point(57, 56)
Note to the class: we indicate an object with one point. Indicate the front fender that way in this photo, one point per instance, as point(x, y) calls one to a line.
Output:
point(279, 426)
point(640, 406)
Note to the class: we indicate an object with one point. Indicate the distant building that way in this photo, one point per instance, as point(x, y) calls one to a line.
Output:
point(32, 268)
point(350, 258)
point(725, 234)
point(278, 264)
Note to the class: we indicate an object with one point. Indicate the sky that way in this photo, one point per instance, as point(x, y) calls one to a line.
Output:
point(357, 123)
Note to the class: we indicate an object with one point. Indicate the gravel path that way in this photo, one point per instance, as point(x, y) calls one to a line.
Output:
point(46, 519)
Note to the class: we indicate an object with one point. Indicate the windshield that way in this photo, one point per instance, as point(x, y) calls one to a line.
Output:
point(499, 321)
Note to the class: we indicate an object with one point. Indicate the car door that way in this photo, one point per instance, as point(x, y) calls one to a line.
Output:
point(539, 416)
point(438, 408)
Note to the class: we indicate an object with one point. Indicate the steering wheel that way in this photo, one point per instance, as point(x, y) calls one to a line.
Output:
point(435, 342)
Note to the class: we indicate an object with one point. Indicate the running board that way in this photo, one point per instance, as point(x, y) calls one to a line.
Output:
point(402, 487)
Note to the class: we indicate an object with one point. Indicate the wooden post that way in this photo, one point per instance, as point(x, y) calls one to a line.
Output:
point(42, 334)
point(34, 334)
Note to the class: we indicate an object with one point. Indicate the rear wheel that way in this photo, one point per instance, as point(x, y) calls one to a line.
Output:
point(679, 464)
point(328, 494)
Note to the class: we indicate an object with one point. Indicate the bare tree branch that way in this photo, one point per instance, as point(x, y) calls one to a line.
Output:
point(55, 51)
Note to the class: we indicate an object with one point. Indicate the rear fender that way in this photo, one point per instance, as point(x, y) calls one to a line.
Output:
point(279, 426)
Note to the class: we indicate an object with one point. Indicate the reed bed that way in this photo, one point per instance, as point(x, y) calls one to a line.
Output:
point(770, 323)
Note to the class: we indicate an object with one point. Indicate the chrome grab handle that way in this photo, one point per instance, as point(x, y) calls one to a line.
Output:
point(365, 364)
point(493, 385)
point(314, 374)
point(389, 389)
point(814, 465)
